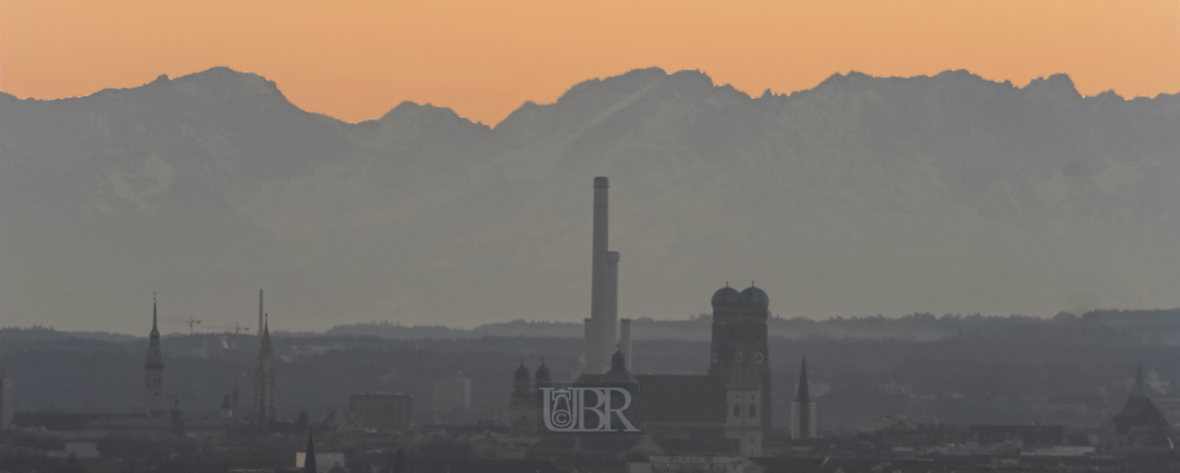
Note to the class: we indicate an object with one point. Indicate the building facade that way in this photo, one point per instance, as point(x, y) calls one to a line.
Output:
point(388, 412)
point(452, 393)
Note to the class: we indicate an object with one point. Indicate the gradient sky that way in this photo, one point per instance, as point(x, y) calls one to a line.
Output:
point(355, 60)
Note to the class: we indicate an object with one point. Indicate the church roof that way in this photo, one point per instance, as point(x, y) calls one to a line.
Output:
point(754, 297)
point(803, 395)
point(683, 398)
point(725, 297)
point(673, 398)
point(1139, 412)
point(542, 374)
point(522, 373)
point(65, 421)
point(309, 465)
point(618, 370)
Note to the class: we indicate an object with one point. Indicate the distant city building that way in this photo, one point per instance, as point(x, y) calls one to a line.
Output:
point(226, 413)
point(685, 464)
point(452, 393)
point(725, 412)
point(1139, 427)
point(7, 400)
point(233, 402)
point(264, 378)
point(81, 450)
point(928, 437)
point(388, 412)
point(153, 369)
point(803, 412)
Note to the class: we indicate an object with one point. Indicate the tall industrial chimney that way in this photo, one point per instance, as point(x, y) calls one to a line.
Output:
point(625, 340)
point(610, 309)
point(602, 302)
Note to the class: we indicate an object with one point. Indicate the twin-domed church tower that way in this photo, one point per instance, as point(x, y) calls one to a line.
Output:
point(739, 350)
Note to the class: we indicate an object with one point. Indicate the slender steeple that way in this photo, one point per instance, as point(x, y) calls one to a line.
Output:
point(153, 369)
point(264, 378)
point(803, 412)
point(309, 458)
point(155, 333)
point(1139, 389)
point(804, 393)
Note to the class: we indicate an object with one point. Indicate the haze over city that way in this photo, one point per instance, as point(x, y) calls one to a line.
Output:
point(752, 236)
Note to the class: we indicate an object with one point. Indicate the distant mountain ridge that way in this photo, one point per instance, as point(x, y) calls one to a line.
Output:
point(864, 195)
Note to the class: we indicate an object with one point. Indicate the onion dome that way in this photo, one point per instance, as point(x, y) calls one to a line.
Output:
point(754, 298)
point(725, 297)
point(542, 376)
point(618, 373)
point(522, 373)
point(520, 381)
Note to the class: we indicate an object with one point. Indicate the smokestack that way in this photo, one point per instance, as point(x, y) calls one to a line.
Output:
point(625, 340)
point(610, 306)
point(596, 356)
point(589, 344)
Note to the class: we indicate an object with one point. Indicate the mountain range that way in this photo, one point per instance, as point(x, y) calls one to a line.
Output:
point(862, 196)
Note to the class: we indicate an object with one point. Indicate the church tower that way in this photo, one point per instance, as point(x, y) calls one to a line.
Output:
point(153, 370)
point(523, 406)
point(739, 342)
point(803, 422)
point(264, 379)
point(743, 417)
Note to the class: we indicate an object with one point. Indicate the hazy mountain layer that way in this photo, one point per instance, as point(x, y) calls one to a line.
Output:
point(861, 196)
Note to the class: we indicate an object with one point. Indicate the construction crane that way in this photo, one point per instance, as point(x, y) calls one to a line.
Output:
point(190, 321)
point(237, 328)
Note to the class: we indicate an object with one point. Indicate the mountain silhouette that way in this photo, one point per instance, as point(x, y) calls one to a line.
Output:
point(863, 195)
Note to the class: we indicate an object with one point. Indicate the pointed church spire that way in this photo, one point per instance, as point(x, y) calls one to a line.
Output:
point(309, 457)
point(155, 333)
point(803, 395)
point(1140, 387)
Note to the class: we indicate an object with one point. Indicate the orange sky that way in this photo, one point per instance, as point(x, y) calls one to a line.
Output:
point(357, 59)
